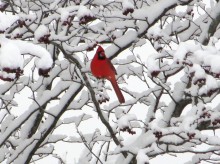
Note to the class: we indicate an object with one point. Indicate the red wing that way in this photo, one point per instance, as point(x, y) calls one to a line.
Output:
point(112, 67)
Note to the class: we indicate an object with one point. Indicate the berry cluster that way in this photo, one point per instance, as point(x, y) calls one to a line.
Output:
point(68, 21)
point(3, 6)
point(216, 75)
point(6, 78)
point(44, 72)
point(208, 71)
point(18, 36)
point(85, 19)
point(91, 47)
point(113, 37)
point(190, 12)
point(205, 115)
point(216, 121)
point(210, 92)
point(21, 23)
point(155, 73)
point(128, 10)
point(158, 134)
point(44, 39)
point(102, 99)
point(17, 71)
point(201, 81)
point(191, 135)
point(127, 129)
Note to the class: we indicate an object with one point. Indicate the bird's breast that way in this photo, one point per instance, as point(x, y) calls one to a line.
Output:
point(101, 69)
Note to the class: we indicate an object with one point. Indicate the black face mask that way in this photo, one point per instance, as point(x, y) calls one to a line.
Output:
point(101, 55)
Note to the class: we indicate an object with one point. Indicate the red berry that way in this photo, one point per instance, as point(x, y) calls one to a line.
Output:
point(128, 10)
point(44, 72)
point(155, 73)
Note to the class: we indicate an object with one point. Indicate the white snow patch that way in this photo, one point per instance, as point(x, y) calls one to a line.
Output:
point(41, 31)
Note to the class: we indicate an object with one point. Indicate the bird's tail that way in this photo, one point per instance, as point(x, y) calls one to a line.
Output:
point(120, 96)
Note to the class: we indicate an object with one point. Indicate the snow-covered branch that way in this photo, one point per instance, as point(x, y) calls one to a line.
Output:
point(165, 53)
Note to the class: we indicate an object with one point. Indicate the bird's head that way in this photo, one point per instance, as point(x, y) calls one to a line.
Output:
point(101, 53)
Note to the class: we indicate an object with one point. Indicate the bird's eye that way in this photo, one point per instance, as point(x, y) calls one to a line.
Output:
point(101, 55)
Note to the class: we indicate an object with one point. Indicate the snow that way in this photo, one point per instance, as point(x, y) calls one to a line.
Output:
point(125, 39)
point(127, 4)
point(16, 33)
point(142, 158)
point(183, 49)
point(202, 55)
point(77, 120)
point(153, 11)
point(152, 63)
point(124, 121)
point(64, 15)
point(215, 65)
point(178, 90)
point(83, 10)
point(211, 85)
point(163, 67)
point(172, 139)
point(55, 138)
point(154, 32)
point(213, 140)
point(10, 54)
point(41, 31)
point(6, 20)
point(44, 59)
point(6, 122)
point(199, 73)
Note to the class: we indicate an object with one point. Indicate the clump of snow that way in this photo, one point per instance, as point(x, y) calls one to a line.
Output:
point(10, 55)
point(124, 121)
point(215, 64)
point(64, 15)
point(198, 73)
point(210, 87)
point(41, 31)
point(6, 122)
point(142, 158)
point(183, 49)
point(152, 63)
point(119, 113)
point(116, 34)
point(84, 15)
point(213, 140)
point(54, 5)
point(7, 76)
point(11, 59)
point(206, 56)
point(127, 38)
point(6, 20)
point(44, 59)
point(154, 32)
point(84, 11)
point(128, 7)
point(127, 4)
point(27, 18)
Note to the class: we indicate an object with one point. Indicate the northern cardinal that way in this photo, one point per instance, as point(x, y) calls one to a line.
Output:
point(101, 67)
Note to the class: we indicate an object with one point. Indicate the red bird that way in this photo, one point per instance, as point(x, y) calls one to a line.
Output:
point(101, 67)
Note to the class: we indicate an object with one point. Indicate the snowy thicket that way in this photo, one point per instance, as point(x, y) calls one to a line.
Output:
point(167, 57)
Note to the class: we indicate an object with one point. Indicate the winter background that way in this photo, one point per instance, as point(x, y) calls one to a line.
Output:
point(166, 53)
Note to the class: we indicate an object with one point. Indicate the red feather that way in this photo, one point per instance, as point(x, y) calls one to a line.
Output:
point(102, 67)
